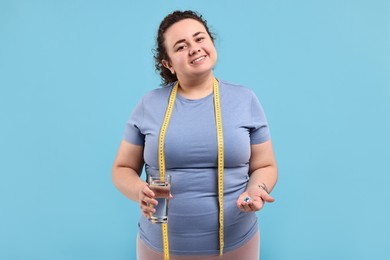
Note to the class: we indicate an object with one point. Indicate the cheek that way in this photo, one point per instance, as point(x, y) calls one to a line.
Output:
point(177, 61)
point(212, 52)
point(210, 48)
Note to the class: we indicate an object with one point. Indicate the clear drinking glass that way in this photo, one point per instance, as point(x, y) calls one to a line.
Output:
point(162, 189)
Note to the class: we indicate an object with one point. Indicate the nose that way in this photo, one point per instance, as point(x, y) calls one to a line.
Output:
point(193, 51)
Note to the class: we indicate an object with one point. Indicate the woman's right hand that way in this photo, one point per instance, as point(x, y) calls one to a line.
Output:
point(146, 200)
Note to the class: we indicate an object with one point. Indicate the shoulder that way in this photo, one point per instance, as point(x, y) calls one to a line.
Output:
point(235, 91)
point(158, 94)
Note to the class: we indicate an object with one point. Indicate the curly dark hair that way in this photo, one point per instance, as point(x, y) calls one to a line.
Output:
point(160, 53)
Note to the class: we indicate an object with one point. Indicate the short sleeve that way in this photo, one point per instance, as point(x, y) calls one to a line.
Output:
point(133, 130)
point(259, 132)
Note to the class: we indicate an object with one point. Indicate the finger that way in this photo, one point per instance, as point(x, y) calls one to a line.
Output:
point(243, 202)
point(145, 195)
point(149, 201)
point(147, 215)
point(266, 197)
point(247, 206)
point(257, 205)
point(240, 205)
point(148, 192)
point(251, 206)
point(148, 209)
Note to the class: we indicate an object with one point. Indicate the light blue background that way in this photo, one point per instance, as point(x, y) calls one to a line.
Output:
point(72, 71)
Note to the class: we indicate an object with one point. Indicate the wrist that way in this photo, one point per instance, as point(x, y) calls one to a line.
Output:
point(263, 187)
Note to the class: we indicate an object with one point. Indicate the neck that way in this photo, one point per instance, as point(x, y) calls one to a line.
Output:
point(196, 88)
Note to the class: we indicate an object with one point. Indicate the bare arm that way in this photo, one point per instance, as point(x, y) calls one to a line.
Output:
point(126, 173)
point(263, 176)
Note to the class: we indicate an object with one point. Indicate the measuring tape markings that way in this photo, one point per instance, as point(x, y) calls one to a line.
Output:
point(218, 119)
point(161, 158)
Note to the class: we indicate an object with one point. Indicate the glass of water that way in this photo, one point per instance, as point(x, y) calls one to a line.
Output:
point(162, 190)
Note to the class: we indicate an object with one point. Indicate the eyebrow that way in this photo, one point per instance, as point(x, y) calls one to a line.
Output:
point(183, 40)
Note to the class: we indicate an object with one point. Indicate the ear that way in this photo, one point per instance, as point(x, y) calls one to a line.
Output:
point(166, 64)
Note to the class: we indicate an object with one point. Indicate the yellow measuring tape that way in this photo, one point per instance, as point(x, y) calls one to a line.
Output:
point(218, 122)
point(161, 159)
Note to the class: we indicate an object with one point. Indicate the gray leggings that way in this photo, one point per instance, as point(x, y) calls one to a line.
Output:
point(249, 251)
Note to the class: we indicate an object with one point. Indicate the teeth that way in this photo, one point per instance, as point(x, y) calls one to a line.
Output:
point(198, 59)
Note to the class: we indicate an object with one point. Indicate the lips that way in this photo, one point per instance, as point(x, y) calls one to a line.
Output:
point(198, 59)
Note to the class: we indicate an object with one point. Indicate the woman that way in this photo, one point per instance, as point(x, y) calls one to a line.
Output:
point(185, 57)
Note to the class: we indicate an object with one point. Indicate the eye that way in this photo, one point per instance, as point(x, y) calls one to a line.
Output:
point(180, 47)
point(199, 39)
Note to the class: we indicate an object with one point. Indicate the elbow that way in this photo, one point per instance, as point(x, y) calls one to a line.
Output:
point(276, 173)
point(115, 175)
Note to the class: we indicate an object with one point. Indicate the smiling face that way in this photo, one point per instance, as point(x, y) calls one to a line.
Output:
point(190, 50)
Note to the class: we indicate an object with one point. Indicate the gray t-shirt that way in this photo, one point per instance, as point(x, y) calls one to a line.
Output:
point(191, 160)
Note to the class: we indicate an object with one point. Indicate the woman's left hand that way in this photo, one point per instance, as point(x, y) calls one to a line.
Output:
point(253, 199)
